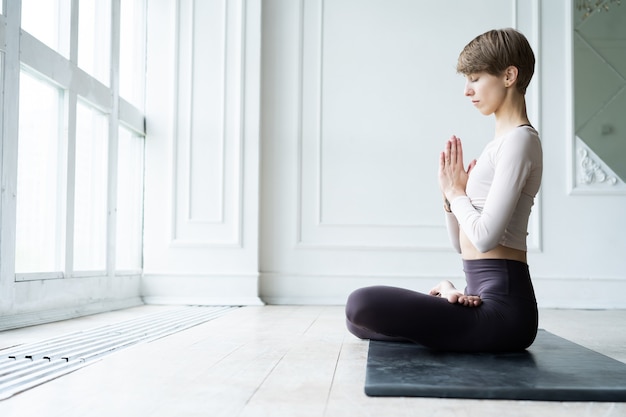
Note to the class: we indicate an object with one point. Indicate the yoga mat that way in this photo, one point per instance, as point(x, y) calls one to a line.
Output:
point(552, 369)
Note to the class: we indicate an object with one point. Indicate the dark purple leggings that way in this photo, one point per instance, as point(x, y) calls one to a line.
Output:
point(505, 321)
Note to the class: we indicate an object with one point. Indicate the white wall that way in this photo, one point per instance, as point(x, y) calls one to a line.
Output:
point(292, 151)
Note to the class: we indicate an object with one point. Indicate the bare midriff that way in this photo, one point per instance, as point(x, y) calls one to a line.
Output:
point(469, 251)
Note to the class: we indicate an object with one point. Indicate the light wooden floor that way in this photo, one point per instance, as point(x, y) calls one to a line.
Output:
point(271, 361)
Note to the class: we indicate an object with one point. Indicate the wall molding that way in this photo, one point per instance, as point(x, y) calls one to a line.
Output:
point(223, 221)
point(593, 175)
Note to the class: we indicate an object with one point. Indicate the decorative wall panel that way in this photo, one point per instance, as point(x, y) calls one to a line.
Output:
point(360, 183)
point(208, 154)
point(202, 152)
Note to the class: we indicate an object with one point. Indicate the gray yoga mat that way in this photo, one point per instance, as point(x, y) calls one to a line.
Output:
point(552, 369)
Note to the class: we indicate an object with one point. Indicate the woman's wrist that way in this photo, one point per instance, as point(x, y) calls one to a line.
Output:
point(450, 195)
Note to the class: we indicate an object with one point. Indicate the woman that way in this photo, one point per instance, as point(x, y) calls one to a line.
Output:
point(487, 207)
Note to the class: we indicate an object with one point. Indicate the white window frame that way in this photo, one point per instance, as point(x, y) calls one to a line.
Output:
point(18, 49)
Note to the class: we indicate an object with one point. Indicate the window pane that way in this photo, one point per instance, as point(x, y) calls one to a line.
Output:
point(48, 21)
point(129, 201)
point(40, 178)
point(132, 29)
point(90, 204)
point(94, 38)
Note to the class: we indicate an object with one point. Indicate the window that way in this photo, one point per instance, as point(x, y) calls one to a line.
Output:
point(90, 191)
point(48, 21)
point(40, 178)
point(80, 147)
point(132, 51)
point(94, 38)
point(129, 201)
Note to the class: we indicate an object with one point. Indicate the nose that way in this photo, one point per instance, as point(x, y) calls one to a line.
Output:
point(468, 91)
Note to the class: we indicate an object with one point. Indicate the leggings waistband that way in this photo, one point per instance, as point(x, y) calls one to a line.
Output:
point(498, 276)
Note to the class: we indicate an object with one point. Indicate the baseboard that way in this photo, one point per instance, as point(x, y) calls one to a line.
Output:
point(563, 293)
point(191, 289)
point(14, 321)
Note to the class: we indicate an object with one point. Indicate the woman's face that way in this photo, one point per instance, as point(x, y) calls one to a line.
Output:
point(486, 91)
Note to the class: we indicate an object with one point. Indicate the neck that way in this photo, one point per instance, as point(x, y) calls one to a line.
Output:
point(511, 114)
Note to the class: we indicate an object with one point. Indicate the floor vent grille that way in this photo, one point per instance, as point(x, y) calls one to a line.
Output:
point(26, 366)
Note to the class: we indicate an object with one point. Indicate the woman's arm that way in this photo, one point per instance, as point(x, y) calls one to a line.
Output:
point(448, 179)
point(452, 224)
point(485, 227)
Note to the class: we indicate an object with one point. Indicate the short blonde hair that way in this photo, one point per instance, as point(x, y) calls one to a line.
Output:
point(496, 50)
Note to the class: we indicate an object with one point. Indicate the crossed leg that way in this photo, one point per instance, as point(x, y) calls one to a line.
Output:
point(398, 314)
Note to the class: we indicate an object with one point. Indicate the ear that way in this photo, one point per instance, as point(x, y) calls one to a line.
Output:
point(510, 75)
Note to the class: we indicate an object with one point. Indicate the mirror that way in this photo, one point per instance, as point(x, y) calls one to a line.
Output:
point(599, 42)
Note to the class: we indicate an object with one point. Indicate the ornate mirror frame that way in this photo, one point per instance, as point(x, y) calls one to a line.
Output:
point(598, 96)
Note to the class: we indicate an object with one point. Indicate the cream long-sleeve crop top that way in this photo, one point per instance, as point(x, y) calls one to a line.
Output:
point(500, 190)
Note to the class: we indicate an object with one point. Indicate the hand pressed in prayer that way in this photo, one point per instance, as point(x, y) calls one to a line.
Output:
point(452, 173)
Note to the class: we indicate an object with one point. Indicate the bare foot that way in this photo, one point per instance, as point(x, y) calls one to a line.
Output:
point(470, 300)
point(446, 289)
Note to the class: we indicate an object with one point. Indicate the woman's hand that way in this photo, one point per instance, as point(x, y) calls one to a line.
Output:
point(452, 173)
point(446, 289)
